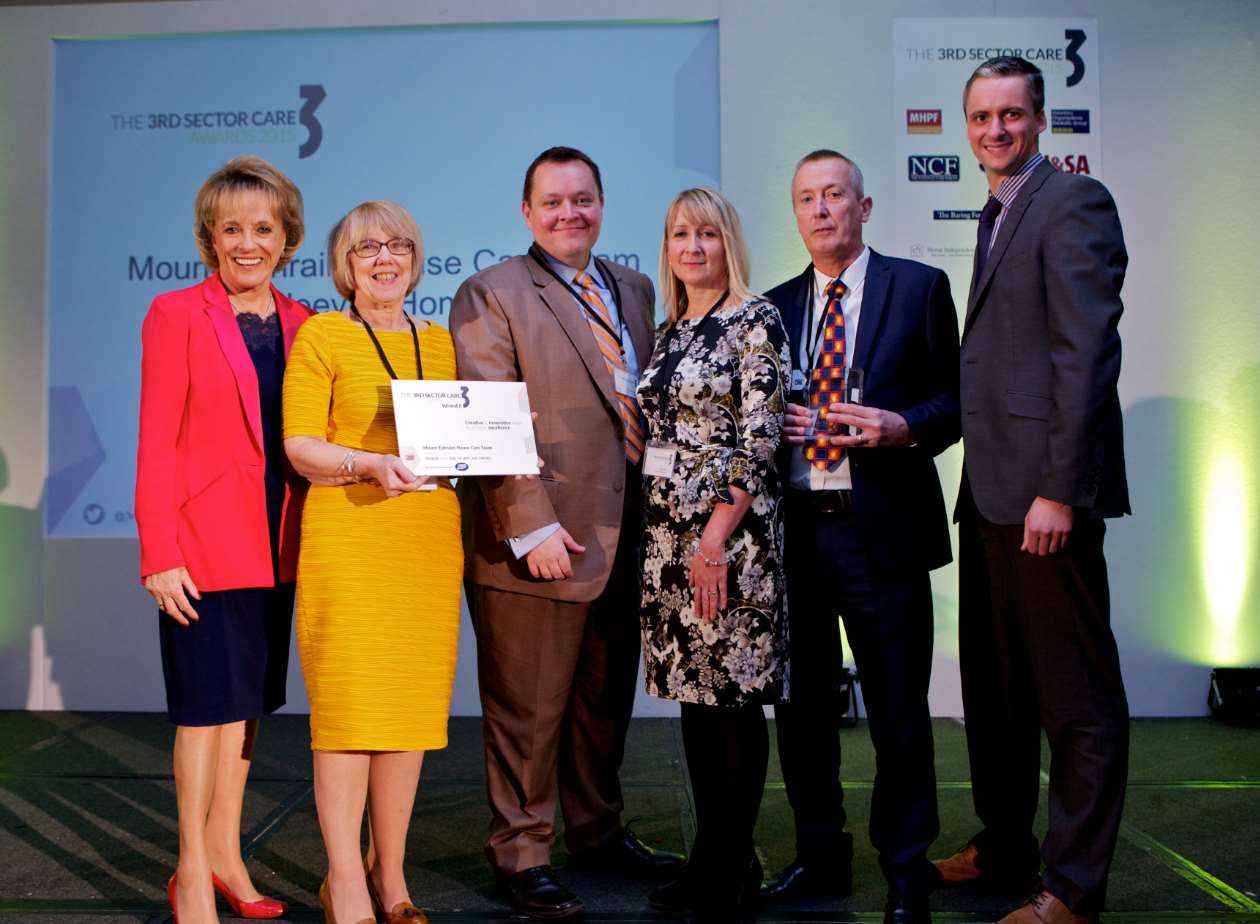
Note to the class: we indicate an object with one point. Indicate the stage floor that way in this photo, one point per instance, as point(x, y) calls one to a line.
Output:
point(87, 824)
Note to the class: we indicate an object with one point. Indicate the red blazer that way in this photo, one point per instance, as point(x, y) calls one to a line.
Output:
point(200, 497)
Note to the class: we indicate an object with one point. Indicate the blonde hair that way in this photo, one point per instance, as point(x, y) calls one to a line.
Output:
point(248, 173)
point(705, 207)
point(393, 219)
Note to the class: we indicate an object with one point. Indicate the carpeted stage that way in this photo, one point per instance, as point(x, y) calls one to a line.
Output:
point(87, 824)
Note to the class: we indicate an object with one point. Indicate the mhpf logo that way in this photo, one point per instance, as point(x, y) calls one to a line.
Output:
point(923, 121)
point(1069, 121)
point(932, 168)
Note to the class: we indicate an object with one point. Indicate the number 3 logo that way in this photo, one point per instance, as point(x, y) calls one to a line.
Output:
point(1076, 38)
point(314, 94)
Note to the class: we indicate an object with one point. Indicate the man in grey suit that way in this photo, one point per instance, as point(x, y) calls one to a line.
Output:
point(553, 563)
point(1043, 468)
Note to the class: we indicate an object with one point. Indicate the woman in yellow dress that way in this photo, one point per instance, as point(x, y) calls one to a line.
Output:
point(380, 565)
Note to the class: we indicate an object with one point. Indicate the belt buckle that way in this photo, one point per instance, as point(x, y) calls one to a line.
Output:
point(838, 501)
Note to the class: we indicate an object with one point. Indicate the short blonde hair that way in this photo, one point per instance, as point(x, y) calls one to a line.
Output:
point(248, 173)
point(393, 219)
point(705, 207)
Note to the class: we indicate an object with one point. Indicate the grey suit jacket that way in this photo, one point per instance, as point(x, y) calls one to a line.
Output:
point(515, 322)
point(1041, 355)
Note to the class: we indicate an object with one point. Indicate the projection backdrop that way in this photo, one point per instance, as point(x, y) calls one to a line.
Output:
point(443, 120)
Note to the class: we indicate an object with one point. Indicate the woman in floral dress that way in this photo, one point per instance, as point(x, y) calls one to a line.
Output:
point(714, 616)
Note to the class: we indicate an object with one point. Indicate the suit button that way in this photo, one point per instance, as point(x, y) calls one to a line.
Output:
point(971, 413)
point(618, 487)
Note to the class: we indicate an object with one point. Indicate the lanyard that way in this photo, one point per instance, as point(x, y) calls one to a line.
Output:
point(811, 344)
point(671, 359)
point(415, 340)
point(540, 258)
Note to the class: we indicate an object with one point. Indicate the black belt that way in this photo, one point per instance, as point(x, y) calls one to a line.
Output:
point(823, 501)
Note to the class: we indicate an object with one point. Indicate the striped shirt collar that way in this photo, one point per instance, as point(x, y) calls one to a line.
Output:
point(570, 275)
point(1011, 186)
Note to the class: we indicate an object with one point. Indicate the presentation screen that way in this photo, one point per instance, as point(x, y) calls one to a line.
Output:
point(442, 119)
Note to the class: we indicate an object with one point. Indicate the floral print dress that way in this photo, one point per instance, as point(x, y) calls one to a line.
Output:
point(723, 409)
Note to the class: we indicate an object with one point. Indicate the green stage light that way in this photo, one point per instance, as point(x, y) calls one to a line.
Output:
point(1225, 552)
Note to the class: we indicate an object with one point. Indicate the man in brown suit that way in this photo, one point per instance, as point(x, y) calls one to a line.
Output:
point(552, 563)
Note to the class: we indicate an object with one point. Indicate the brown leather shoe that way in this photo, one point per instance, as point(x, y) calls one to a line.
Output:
point(961, 867)
point(1045, 908)
point(970, 866)
point(325, 902)
point(402, 913)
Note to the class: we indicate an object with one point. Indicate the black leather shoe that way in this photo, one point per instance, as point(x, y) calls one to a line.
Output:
point(537, 893)
point(625, 854)
point(683, 894)
point(728, 899)
point(901, 908)
point(800, 880)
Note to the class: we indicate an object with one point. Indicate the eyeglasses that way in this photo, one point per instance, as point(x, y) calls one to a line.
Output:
point(398, 246)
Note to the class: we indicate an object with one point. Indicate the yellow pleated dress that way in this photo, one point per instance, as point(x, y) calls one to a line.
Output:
point(378, 577)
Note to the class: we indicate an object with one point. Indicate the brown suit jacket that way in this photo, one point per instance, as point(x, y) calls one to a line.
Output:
point(515, 322)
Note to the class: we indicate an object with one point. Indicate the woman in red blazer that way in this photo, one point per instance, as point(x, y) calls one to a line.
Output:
point(217, 511)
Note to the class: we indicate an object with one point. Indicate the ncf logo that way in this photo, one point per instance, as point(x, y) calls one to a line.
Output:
point(932, 168)
point(923, 121)
point(1071, 163)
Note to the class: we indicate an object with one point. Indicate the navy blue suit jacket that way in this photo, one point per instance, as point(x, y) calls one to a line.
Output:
point(907, 347)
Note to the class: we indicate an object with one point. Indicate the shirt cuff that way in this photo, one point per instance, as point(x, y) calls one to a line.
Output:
point(523, 545)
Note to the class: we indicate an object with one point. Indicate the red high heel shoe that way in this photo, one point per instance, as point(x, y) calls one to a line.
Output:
point(170, 893)
point(262, 908)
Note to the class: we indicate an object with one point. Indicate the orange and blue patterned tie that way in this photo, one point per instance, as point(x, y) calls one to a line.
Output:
point(627, 405)
point(827, 380)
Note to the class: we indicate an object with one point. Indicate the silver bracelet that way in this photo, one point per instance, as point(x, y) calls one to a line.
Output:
point(347, 464)
point(709, 561)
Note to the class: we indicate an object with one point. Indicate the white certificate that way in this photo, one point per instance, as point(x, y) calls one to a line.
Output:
point(464, 428)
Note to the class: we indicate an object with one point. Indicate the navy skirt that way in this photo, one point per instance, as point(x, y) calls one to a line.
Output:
point(232, 663)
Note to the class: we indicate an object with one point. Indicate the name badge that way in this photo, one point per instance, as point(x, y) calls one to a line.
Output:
point(658, 460)
point(624, 382)
point(798, 380)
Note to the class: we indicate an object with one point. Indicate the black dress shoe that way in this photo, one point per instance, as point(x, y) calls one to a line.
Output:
point(901, 908)
point(537, 893)
point(625, 854)
point(815, 879)
point(728, 896)
point(682, 894)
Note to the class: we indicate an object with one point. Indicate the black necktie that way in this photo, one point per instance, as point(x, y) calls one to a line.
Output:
point(984, 236)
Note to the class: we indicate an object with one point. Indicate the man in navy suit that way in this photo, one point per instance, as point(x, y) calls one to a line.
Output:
point(1044, 467)
point(865, 523)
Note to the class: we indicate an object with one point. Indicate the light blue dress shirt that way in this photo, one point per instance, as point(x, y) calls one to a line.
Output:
point(523, 545)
